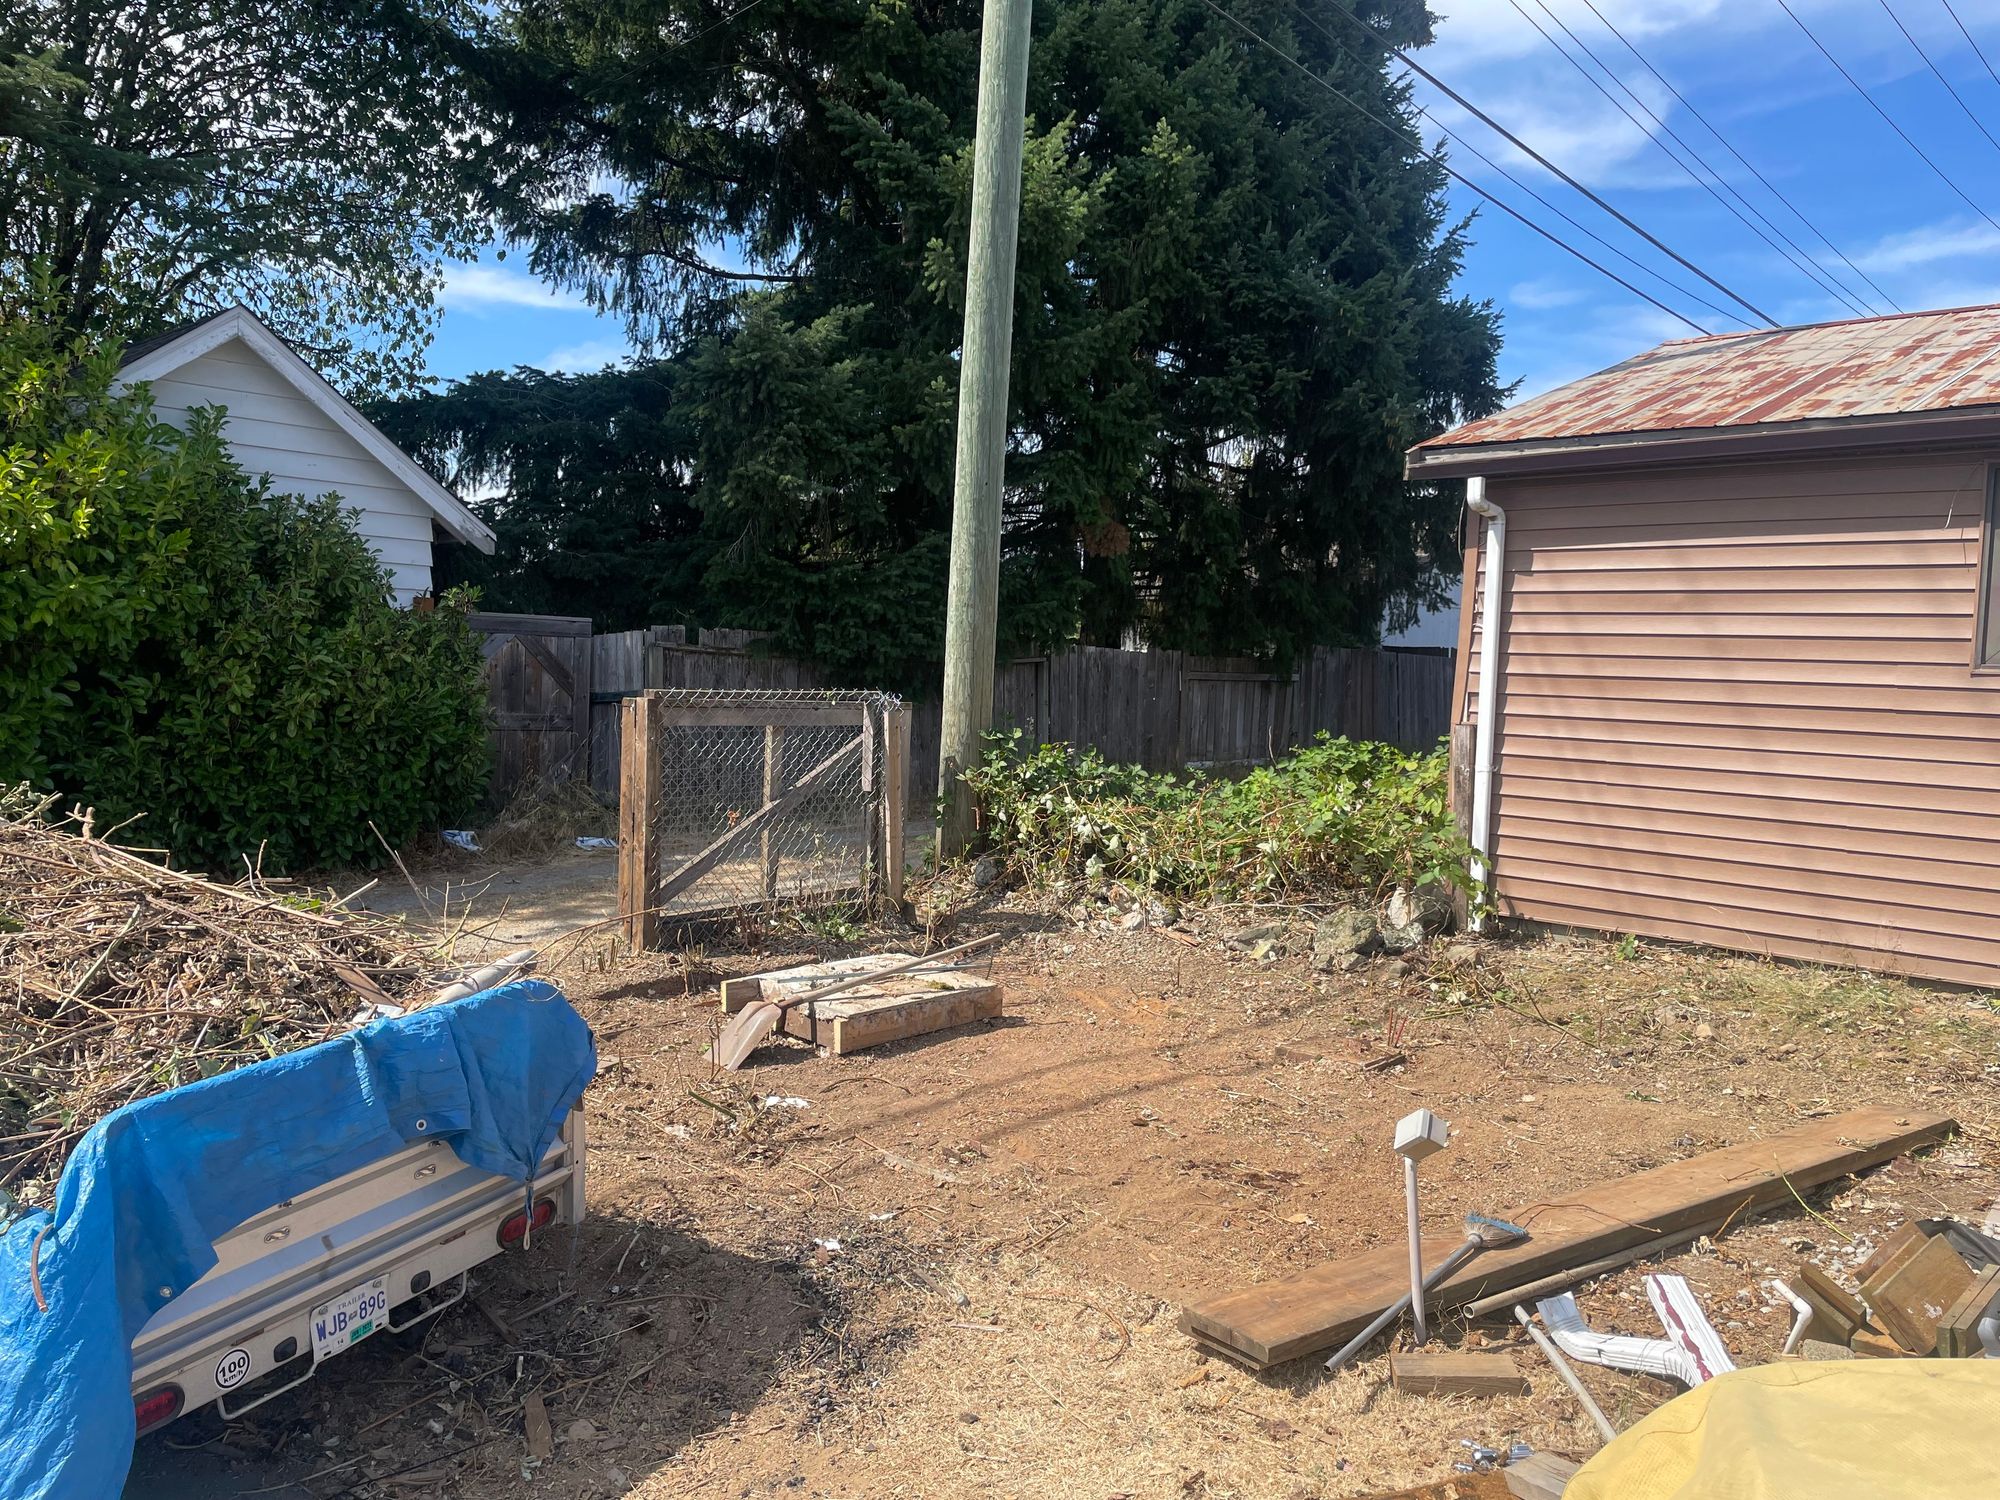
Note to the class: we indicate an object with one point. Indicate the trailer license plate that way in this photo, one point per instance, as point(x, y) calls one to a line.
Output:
point(349, 1318)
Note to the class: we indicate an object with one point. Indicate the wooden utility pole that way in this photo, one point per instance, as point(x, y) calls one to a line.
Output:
point(973, 606)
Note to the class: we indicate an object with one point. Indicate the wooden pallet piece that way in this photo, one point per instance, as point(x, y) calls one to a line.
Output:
point(900, 1007)
point(1872, 1343)
point(1837, 1312)
point(1901, 1242)
point(1916, 1290)
point(1540, 1476)
point(1325, 1306)
point(1457, 1373)
point(1958, 1329)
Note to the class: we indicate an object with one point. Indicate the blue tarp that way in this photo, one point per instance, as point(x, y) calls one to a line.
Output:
point(148, 1190)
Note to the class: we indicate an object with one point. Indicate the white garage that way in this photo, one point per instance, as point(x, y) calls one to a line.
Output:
point(284, 420)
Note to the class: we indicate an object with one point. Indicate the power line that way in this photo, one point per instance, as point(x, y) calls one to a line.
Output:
point(1796, 257)
point(1554, 208)
point(1886, 116)
point(1729, 146)
point(1977, 51)
point(1494, 125)
point(1956, 97)
point(1448, 168)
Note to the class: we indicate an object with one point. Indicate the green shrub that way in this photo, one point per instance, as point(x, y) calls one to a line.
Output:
point(1338, 815)
point(176, 641)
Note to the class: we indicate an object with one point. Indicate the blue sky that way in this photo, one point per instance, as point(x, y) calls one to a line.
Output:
point(1743, 64)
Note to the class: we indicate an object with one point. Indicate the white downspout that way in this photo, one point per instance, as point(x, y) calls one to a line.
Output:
point(1494, 556)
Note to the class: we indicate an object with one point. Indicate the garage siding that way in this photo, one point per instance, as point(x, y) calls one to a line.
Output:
point(274, 430)
point(1737, 707)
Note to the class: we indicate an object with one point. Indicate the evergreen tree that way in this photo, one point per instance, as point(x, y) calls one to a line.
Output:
point(1233, 314)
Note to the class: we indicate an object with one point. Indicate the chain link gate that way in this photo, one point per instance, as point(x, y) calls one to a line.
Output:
point(732, 800)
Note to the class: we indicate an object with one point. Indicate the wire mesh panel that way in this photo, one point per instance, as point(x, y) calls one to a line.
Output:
point(734, 798)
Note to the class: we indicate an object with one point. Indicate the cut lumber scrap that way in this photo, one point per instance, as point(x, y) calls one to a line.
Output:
point(1915, 1291)
point(1325, 1306)
point(1872, 1343)
point(1901, 1242)
point(1457, 1374)
point(1837, 1312)
point(1958, 1329)
point(1540, 1476)
point(900, 1006)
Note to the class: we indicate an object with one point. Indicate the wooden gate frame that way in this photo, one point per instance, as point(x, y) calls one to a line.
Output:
point(646, 716)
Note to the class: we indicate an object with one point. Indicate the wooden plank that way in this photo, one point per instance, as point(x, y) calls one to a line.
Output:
point(1540, 1476)
point(1903, 1241)
point(1457, 1373)
point(1958, 1329)
point(753, 825)
point(895, 800)
point(860, 1019)
point(759, 715)
point(1872, 1343)
point(1837, 1313)
point(1326, 1305)
point(489, 622)
point(638, 812)
point(1911, 1295)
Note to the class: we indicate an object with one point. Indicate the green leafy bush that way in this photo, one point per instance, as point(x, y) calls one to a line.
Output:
point(1337, 815)
point(177, 642)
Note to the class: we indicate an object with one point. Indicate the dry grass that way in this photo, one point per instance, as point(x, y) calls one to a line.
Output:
point(119, 978)
point(544, 817)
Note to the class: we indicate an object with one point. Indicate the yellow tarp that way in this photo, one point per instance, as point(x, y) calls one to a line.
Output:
point(1872, 1428)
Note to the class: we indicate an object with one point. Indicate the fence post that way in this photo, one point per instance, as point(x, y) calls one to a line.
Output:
point(774, 743)
point(638, 814)
point(895, 797)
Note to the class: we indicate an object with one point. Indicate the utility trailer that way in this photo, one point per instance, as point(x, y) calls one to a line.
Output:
point(387, 1246)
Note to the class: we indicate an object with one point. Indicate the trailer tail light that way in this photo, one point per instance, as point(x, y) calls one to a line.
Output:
point(157, 1407)
point(514, 1228)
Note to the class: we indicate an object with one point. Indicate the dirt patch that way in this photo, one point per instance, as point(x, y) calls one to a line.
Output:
point(956, 1269)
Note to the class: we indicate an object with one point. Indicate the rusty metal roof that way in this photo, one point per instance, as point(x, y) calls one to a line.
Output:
point(1865, 367)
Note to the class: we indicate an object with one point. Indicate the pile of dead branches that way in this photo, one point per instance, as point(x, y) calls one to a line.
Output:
point(120, 977)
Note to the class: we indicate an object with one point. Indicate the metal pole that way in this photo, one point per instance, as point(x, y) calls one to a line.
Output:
point(972, 607)
point(1417, 1330)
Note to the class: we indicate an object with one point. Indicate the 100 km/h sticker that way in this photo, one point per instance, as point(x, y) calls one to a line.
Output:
point(231, 1369)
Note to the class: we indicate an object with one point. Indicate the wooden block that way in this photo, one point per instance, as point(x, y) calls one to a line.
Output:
point(535, 1419)
point(1958, 1329)
point(1324, 1306)
point(861, 1019)
point(1873, 1343)
point(1457, 1374)
point(1914, 1290)
point(1837, 1312)
point(1903, 1241)
point(1540, 1476)
point(899, 1006)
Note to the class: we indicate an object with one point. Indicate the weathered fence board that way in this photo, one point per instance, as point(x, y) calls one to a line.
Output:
point(538, 684)
point(1159, 709)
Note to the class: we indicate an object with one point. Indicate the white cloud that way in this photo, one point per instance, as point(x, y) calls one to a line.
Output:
point(1548, 292)
point(1960, 239)
point(477, 288)
point(591, 354)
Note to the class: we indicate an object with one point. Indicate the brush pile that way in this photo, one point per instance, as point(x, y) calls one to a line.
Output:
point(121, 978)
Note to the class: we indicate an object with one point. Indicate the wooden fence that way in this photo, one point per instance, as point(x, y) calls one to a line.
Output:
point(1160, 709)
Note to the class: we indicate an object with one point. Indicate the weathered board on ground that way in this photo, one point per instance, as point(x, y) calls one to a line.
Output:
point(1958, 1329)
point(900, 1006)
point(1282, 1320)
point(1457, 1373)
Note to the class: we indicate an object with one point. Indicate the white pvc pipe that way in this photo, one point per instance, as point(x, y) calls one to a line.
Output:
point(1417, 1329)
point(1494, 556)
